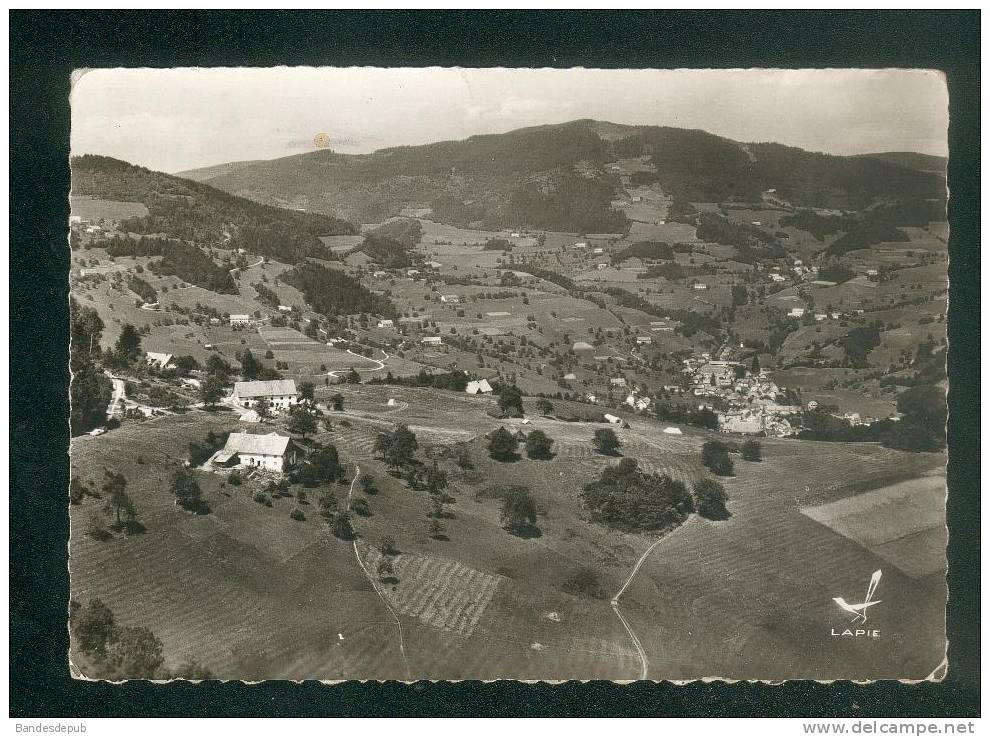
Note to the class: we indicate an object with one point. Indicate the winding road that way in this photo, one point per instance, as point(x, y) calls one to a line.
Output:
point(379, 367)
point(645, 665)
point(374, 583)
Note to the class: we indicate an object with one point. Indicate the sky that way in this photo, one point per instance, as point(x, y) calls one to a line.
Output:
point(177, 119)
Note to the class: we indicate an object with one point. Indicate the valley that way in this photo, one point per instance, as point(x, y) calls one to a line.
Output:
point(696, 301)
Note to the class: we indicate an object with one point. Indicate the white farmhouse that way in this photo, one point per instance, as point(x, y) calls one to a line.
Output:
point(612, 419)
point(478, 387)
point(279, 394)
point(240, 319)
point(272, 452)
point(386, 323)
point(432, 340)
point(161, 360)
point(796, 312)
point(450, 299)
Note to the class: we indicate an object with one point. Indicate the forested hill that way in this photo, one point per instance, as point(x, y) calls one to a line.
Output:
point(203, 215)
point(556, 177)
point(912, 160)
point(699, 167)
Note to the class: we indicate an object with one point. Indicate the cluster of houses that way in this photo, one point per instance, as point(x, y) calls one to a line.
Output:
point(750, 401)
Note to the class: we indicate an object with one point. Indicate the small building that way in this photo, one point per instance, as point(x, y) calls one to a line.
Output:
point(380, 274)
point(570, 377)
point(284, 308)
point(432, 340)
point(580, 245)
point(700, 285)
point(617, 381)
point(434, 264)
point(240, 319)
point(599, 250)
point(602, 267)
point(161, 360)
point(612, 419)
point(386, 323)
point(820, 316)
point(644, 339)
point(450, 299)
point(796, 312)
point(777, 277)
point(582, 346)
point(412, 272)
point(271, 452)
point(478, 387)
point(672, 431)
point(279, 394)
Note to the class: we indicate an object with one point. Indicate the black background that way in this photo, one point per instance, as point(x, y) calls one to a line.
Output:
point(46, 46)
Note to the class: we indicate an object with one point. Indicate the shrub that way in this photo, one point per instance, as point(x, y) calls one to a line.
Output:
point(606, 441)
point(360, 507)
point(262, 498)
point(368, 485)
point(234, 479)
point(76, 491)
point(502, 445)
point(709, 499)
point(341, 526)
point(538, 445)
point(297, 514)
point(629, 499)
point(518, 510)
point(328, 504)
point(715, 457)
point(752, 451)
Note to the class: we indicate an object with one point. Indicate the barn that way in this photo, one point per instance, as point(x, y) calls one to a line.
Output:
point(279, 394)
point(271, 452)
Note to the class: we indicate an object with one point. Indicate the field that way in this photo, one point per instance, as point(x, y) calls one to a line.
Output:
point(913, 535)
point(91, 208)
point(255, 594)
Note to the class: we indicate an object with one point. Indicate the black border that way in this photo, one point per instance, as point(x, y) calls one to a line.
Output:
point(47, 45)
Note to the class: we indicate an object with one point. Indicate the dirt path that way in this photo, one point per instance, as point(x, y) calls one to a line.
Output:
point(374, 583)
point(645, 665)
point(118, 394)
point(379, 367)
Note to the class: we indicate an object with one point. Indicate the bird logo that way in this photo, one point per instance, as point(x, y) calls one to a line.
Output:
point(859, 610)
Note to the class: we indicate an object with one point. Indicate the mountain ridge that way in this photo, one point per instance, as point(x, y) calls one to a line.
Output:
point(557, 177)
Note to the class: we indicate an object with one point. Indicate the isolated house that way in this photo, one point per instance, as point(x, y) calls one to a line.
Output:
point(450, 299)
point(272, 452)
point(279, 394)
point(613, 420)
point(796, 312)
point(386, 323)
point(617, 382)
point(284, 308)
point(432, 340)
point(643, 339)
point(240, 319)
point(161, 360)
point(478, 387)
